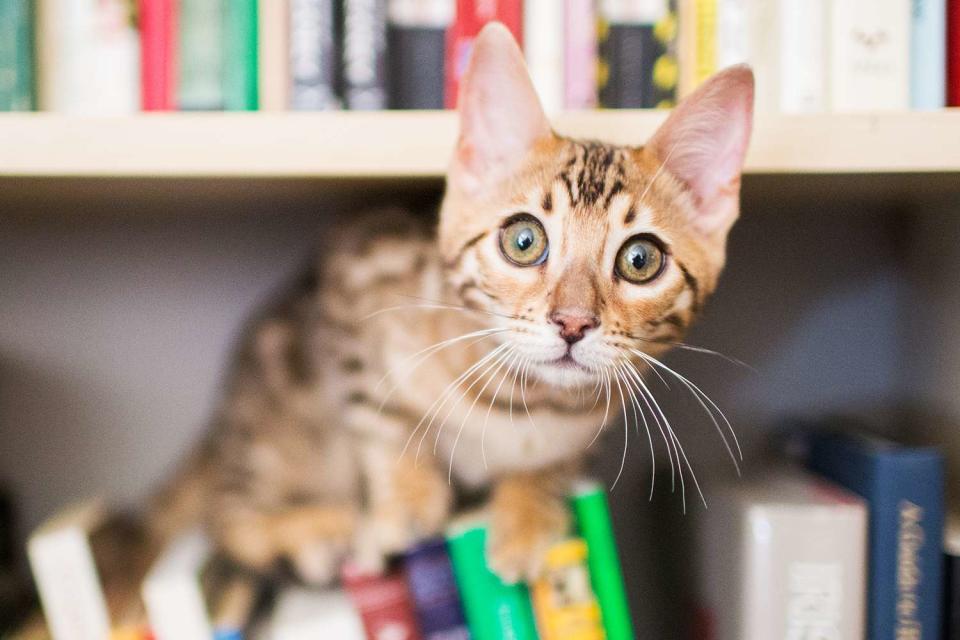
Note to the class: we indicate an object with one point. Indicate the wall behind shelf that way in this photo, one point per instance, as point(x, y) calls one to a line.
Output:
point(115, 325)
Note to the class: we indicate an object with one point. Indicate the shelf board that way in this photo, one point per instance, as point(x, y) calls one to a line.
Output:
point(404, 144)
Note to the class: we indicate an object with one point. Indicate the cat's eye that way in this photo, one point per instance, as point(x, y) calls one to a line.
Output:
point(641, 259)
point(523, 240)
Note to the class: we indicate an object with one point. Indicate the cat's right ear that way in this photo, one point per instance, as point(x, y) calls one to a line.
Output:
point(500, 115)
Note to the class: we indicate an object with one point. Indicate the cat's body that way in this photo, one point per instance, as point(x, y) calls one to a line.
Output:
point(482, 355)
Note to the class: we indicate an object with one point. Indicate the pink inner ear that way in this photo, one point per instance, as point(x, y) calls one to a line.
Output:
point(704, 141)
point(500, 115)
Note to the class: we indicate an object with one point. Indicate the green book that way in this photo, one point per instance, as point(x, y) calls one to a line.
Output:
point(495, 611)
point(16, 55)
point(201, 54)
point(589, 504)
point(240, 56)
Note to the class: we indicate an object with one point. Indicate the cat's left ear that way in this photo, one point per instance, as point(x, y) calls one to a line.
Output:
point(703, 144)
point(501, 118)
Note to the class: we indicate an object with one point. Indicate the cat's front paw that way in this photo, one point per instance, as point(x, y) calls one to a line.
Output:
point(524, 523)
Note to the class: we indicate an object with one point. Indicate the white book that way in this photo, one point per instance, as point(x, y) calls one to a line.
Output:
point(543, 48)
point(870, 55)
point(784, 556)
point(172, 591)
point(273, 47)
point(305, 614)
point(88, 57)
point(747, 32)
point(66, 574)
point(803, 56)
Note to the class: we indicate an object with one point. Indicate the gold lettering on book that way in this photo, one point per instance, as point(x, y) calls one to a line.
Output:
point(909, 542)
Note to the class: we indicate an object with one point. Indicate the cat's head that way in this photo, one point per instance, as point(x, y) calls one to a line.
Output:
point(588, 252)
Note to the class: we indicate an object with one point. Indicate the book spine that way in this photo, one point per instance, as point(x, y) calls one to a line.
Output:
point(70, 590)
point(201, 58)
point(383, 602)
point(951, 594)
point(705, 23)
point(732, 32)
point(928, 50)
point(953, 53)
point(416, 40)
point(313, 55)
point(471, 15)
point(579, 54)
point(89, 57)
point(904, 489)
point(157, 55)
point(628, 50)
point(434, 591)
point(543, 50)
point(365, 54)
point(172, 591)
point(240, 91)
point(274, 54)
point(803, 59)
point(687, 46)
point(565, 605)
point(592, 516)
point(494, 610)
point(16, 55)
point(870, 49)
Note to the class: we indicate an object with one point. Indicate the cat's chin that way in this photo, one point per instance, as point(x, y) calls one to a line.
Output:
point(565, 375)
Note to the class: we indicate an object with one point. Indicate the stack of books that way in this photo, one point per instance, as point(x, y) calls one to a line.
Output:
point(441, 589)
point(851, 547)
point(118, 56)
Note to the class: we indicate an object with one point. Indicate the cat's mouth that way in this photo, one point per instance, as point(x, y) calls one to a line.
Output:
point(567, 361)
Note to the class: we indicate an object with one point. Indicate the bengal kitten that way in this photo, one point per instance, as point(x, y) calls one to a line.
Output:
point(484, 354)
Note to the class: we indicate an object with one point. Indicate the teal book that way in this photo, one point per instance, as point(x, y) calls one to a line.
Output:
point(928, 54)
point(494, 610)
point(201, 54)
point(592, 516)
point(16, 55)
point(240, 55)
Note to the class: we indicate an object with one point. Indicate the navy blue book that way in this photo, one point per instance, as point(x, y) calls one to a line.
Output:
point(436, 596)
point(904, 489)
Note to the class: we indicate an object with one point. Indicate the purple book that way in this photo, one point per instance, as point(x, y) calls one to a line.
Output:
point(435, 593)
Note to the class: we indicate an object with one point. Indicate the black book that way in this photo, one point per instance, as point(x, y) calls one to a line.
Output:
point(416, 40)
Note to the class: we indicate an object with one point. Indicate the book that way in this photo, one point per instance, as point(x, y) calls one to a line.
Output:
point(592, 518)
point(580, 54)
point(870, 55)
point(748, 32)
point(88, 54)
point(705, 40)
point(904, 489)
point(783, 555)
point(951, 581)
point(240, 52)
point(200, 56)
point(383, 602)
point(314, 57)
point(564, 602)
point(307, 614)
point(273, 73)
point(687, 34)
point(494, 610)
point(85, 563)
point(158, 66)
point(928, 51)
point(416, 40)
point(433, 588)
point(803, 68)
point(16, 55)
point(365, 54)
point(470, 17)
point(953, 53)
point(543, 50)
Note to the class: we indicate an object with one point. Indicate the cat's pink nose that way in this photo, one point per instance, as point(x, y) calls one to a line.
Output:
point(574, 324)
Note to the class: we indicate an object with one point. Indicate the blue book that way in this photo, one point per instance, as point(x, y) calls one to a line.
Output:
point(436, 596)
point(928, 54)
point(904, 489)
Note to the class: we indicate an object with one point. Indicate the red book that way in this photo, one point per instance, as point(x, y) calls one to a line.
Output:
point(158, 54)
point(471, 16)
point(384, 603)
point(953, 53)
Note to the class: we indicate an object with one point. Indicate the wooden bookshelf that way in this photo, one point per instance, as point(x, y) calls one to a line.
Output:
point(417, 144)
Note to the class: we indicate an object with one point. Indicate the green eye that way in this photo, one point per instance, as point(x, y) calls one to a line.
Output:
point(523, 240)
point(641, 259)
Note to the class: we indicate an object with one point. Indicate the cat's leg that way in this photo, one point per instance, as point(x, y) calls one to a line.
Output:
point(408, 499)
point(528, 514)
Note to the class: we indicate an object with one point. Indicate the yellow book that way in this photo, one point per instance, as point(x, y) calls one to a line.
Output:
point(565, 605)
point(705, 21)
